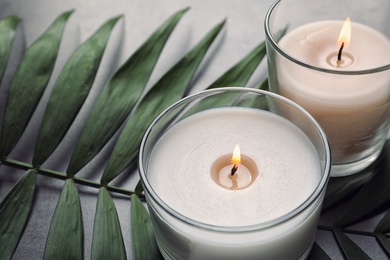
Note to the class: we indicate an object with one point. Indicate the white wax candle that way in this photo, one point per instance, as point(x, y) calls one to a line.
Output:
point(352, 109)
point(289, 171)
point(287, 162)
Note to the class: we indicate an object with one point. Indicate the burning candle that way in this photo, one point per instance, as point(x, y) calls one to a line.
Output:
point(234, 174)
point(186, 179)
point(341, 76)
point(207, 201)
point(320, 44)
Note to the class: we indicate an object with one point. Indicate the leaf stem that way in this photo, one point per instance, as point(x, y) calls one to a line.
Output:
point(63, 176)
point(346, 230)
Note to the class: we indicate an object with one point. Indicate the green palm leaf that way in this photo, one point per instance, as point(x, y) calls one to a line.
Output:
point(247, 66)
point(263, 85)
point(255, 101)
point(350, 249)
point(142, 234)
point(16, 203)
point(317, 253)
point(237, 76)
point(380, 230)
point(342, 187)
point(373, 195)
point(30, 81)
point(384, 225)
point(8, 26)
point(139, 188)
point(113, 106)
point(385, 242)
point(240, 73)
point(107, 241)
point(170, 88)
point(70, 91)
point(119, 96)
point(65, 239)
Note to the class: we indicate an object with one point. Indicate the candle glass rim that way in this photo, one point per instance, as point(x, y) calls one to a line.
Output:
point(275, 45)
point(248, 228)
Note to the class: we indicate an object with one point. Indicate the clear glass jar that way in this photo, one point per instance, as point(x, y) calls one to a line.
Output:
point(350, 98)
point(290, 235)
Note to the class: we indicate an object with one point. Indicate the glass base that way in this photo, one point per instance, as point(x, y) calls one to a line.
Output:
point(164, 253)
point(166, 256)
point(307, 252)
point(340, 170)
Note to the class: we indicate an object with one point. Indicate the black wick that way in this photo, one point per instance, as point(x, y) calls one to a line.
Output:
point(340, 52)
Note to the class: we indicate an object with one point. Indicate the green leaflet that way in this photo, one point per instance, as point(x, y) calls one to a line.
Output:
point(65, 238)
point(29, 83)
point(263, 85)
point(8, 26)
point(170, 88)
point(139, 188)
point(372, 195)
point(341, 187)
point(237, 76)
point(17, 203)
point(384, 225)
point(350, 249)
point(317, 253)
point(380, 230)
point(107, 240)
point(255, 101)
point(142, 234)
point(385, 242)
point(119, 96)
point(70, 91)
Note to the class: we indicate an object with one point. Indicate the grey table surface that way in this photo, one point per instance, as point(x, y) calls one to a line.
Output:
point(244, 30)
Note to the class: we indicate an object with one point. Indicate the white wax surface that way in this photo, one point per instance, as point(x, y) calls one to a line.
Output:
point(313, 42)
point(350, 108)
point(288, 164)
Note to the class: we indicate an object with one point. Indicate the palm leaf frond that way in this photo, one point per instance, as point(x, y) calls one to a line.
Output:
point(384, 225)
point(142, 234)
point(342, 187)
point(255, 101)
point(17, 203)
point(70, 91)
point(372, 195)
point(119, 96)
point(107, 241)
point(350, 249)
point(384, 242)
point(317, 253)
point(65, 238)
point(30, 81)
point(8, 27)
point(236, 76)
point(368, 190)
point(170, 88)
point(240, 73)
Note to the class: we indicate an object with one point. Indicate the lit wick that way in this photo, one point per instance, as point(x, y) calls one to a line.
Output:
point(236, 160)
point(234, 169)
point(233, 177)
point(224, 171)
point(340, 52)
point(344, 37)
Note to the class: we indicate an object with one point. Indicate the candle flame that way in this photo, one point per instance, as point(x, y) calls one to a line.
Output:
point(345, 33)
point(236, 158)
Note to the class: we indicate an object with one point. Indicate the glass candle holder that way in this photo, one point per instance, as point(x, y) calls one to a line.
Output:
point(342, 78)
point(263, 204)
